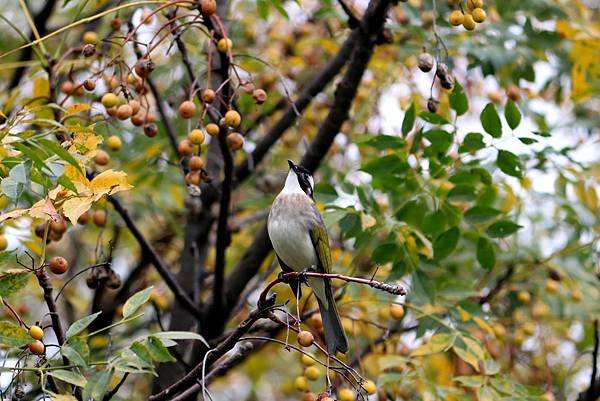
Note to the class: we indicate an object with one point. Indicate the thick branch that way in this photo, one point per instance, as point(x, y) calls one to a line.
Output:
point(155, 258)
point(593, 392)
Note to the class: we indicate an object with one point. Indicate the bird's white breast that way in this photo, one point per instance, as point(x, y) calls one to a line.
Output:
point(290, 221)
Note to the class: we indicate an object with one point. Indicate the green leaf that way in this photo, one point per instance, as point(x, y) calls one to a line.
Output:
point(409, 120)
point(491, 121)
point(462, 192)
point(97, 385)
point(135, 301)
point(180, 335)
point(60, 152)
point(458, 100)
point(385, 253)
point(433, 118)
point(69, 376)
point(486, 254)
point(12, 282)
point(478, 214)
point(80, 325)
point(383, 142)
point(502, 228)
point(512, 114)
point(12, 335)
point(440, 140)
point(437, 343)
point(72, 355)
point(473, 142)
point(509, 163)
point(158, 351)
point(527, 141)
point(141, 350)
point(446, 243)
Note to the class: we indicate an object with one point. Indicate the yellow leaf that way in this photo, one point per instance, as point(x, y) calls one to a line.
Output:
point(464, 315)
point(437, 343)
point(77, 108)
point(76, 206)
point(467, 357)
point(85, 142)
point(44, 209)
point(109, 182)
point(474, 347)
point(41, 87)
point(63, 397)
point(13, 214)
point(483, 325)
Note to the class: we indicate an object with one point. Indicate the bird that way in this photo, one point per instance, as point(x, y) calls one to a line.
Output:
point(299, 237)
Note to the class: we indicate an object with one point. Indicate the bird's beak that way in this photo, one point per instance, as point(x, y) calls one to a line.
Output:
point(291, 164)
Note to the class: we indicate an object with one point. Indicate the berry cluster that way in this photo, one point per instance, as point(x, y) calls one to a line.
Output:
point(469, 19)
point(442, 72)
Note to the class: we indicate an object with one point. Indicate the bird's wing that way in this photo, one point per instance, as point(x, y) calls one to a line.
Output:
point(320, 240)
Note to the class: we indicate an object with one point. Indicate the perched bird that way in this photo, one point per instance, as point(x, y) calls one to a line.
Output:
point(299, 237)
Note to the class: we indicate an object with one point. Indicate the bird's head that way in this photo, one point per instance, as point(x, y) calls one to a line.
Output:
point(299, 180)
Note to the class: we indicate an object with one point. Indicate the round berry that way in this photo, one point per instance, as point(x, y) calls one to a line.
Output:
point(110, 100)
point(346, 394)
point(208, 7)
point(99, 218)
point(144, 67)
point(196, 136)
point(312, 373)
point(124, 111)
point(479, 15)
point(67, 87)
point(36, 332)
point(396, 311)
point(37, 347)
point(58, 265)
point(456, 18)
point(101, 158)
point(84, 218)
point(232, 119)
point(115, 23)
point(235, 141)
point(305, 338)
point(150, 130)
point(196, 163)
point(89, 85)
point(224, 45)
point(135, 106)
point(259, 96)
point(425, 62)
point(4, 242)
point(369, 387)
point(187, 109)
point(212, 129)
point(468, 22)
point(114, 143)
point(193, 178)
point(208, 96)
point(185, 147)
point(90, 38)
point(300, 383)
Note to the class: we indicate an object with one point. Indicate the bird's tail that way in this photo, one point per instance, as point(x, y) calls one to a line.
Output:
point(332, 326)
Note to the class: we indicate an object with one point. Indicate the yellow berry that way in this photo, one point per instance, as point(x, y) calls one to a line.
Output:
point(524, 297)
point(212, 129)
point(3, 243)
point(233, 119)
point(36, 332)
point(551, 286)
point(301, 383)
point(396, 311)
point(473, 4)
point(110, 100)
point(312, 373)
point(346, 394)
point(224, 45)
point(576, 295)
point(307, 360)
point(114, 143)
point(468, 22)
point(369, 387)
point(479, 15)
point(187, 109)
point(90, 37)
point(456, 18)
point(196, 136)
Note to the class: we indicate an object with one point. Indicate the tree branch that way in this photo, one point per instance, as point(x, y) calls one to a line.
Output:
point(593, 392)
point(154, 257)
